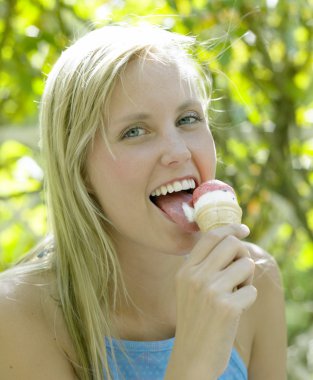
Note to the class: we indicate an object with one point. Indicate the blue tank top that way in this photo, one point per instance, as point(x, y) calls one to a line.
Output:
point(148, 360)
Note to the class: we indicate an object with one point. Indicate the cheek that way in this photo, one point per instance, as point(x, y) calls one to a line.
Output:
point(211, 152)
point(116, 182)
point(127, 170)
point(205, 155)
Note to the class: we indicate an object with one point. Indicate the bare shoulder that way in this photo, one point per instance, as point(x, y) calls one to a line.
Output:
point(34, 342)
point(267, 316)
point(266, 270)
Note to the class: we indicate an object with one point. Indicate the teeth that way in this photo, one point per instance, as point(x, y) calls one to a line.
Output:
point(186, 184)
point(170, 188)
point(176, 186)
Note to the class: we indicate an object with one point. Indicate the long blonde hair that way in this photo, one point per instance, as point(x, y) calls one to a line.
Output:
point(73, 107)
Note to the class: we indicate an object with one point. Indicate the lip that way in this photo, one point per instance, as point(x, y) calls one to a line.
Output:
point(179, 179)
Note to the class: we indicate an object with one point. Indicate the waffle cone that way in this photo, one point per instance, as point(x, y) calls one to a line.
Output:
point(218, 214)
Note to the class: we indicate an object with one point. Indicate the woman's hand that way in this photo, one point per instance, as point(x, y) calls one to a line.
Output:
point(212, 290)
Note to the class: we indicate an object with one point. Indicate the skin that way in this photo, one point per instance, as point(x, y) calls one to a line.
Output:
point(192, 298)
point(167, 147)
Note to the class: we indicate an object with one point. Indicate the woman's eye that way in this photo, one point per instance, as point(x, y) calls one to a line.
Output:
point(190, 118)
point(134, 132)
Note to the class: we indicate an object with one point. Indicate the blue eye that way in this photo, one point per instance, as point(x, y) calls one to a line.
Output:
point(190, 118)
point(134, 132)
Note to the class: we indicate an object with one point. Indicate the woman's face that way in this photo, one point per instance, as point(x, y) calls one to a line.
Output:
point(157, 134)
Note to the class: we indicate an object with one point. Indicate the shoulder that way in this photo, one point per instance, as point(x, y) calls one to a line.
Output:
point(267, 272)
point(268, 282)
point(32, 332)
point(19, 299)
point(267, 316)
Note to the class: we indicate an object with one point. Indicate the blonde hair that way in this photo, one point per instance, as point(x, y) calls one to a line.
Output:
point(73, 107)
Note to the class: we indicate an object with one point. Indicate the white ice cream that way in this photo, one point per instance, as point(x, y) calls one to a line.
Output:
point(213, 197)
point(210, 197)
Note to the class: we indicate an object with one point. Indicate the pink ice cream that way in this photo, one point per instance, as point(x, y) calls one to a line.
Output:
point(214, 204)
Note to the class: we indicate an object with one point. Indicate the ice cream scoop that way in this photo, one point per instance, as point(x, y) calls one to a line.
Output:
point(214, 204)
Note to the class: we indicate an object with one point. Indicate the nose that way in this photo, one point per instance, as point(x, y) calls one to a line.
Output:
point(174, 149)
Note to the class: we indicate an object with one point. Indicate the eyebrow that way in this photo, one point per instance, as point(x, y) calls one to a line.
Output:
point(145, 116)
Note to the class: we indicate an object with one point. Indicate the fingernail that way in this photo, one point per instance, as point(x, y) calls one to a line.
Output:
point(245, 229)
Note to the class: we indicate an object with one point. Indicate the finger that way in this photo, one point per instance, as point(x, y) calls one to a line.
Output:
point(212, 238)
point(244, 297)
point(228, 250)
point(236, 275)
point(249, 280)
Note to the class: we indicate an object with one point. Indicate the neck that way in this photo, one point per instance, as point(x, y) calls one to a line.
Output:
point(150, 281)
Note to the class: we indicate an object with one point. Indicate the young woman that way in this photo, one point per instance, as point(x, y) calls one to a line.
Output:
point(124, 289)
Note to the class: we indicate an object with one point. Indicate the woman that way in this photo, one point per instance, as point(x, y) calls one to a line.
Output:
point(124, 289)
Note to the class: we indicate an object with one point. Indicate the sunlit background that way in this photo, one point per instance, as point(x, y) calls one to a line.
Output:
point(260, 54)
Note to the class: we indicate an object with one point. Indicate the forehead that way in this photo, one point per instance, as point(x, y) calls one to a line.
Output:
point(146, 82)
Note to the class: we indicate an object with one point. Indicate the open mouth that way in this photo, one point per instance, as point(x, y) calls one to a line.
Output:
point(185, 185)
point(157, 199)
point(171, 202)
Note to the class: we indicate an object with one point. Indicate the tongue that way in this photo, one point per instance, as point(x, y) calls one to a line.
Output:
point(171, 204)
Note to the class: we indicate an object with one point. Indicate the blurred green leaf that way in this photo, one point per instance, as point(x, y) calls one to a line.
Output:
point(260, 54)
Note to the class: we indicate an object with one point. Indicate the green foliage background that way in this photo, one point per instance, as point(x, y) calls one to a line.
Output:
point(260, 54)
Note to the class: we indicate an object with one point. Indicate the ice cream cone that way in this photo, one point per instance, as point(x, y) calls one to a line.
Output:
point(217, 214)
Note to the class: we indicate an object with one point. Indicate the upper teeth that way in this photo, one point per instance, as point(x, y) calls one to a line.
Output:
point(176, 186)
